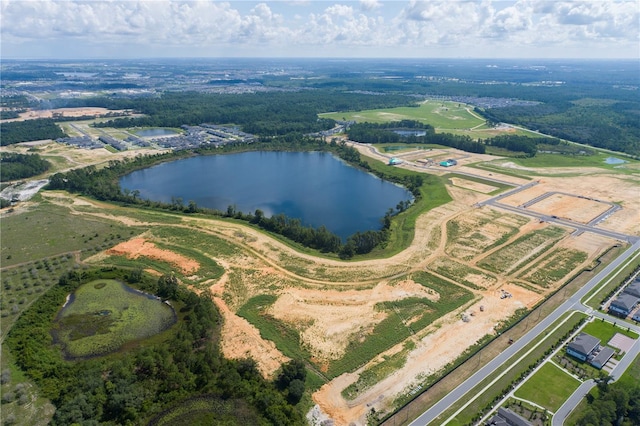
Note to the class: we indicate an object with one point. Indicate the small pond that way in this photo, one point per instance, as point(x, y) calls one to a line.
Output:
point(614, 160)
point(150, 133)
point(103, 315)
point(407, 133)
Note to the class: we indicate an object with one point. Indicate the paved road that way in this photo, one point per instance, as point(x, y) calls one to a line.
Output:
point(458, 393)
point(565, 222)
point(566, 409)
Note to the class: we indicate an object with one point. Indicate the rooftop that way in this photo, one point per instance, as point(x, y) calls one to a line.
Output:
point(584, 343)
point(633, 289)
point(625, 301)
point(604, 355)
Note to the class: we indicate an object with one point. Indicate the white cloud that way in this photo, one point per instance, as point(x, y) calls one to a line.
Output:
point(368, 5)
point(449, 27)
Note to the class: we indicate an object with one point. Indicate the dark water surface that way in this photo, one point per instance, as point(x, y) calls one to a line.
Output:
point(155, 132)
point(315, 187)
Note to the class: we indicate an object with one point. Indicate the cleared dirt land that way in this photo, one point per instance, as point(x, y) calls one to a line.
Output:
point(375, 330)
point(65, 112)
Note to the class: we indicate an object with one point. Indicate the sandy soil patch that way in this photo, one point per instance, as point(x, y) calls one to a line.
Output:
point(64, 112)
point(330, 319)
point(474, 186)
point(592, 244)
point(621, 189)
point(492, 174)
point(66, 157)
point(432, 353)
point(137, 247)
point(522, 197)
point(570, 207)
point(240, 340)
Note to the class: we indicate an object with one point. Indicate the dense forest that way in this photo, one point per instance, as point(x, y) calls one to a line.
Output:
point(606, 125)
point(20, 166)
point(262, 114)
point(384, 133)
point(30, 130)
point(524, 144)
point(103, 184)
point(616, 404)
point(155, 377)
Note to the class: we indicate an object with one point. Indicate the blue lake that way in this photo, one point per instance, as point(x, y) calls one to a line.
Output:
point(315, 187)
point(155, 132)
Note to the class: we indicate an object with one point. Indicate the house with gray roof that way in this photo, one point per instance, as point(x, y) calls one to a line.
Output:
point(583, 346)
point(633, 289)
point(506, 417)
point(623, 305)
point(602, 358)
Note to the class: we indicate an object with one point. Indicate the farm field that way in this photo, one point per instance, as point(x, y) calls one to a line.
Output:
point(374, 330)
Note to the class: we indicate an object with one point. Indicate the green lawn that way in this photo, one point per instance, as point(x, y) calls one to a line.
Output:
point(549, 387)
point(439, 114)
point(605, 331)
point(596, 160)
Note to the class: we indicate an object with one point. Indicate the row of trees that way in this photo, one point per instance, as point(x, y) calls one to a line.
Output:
point(154, 377)
point(19, 166)
point(383, 133)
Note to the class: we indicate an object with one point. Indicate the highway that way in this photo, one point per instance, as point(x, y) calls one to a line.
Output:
point(458, 393)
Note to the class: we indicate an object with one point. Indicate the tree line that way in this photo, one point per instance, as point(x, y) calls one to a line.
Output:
point(383, 133)
point(155, 376)
point(524, 144)
point(613, 127)
point(19, 166)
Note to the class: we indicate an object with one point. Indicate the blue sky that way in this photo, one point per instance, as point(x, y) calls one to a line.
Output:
point(70, 29)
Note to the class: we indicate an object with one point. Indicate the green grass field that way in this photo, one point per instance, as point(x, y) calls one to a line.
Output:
point(596, 160)
point(106, 314)
point(549, 387)
point(605, 331)
point(51, 230)
point(439, 114)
